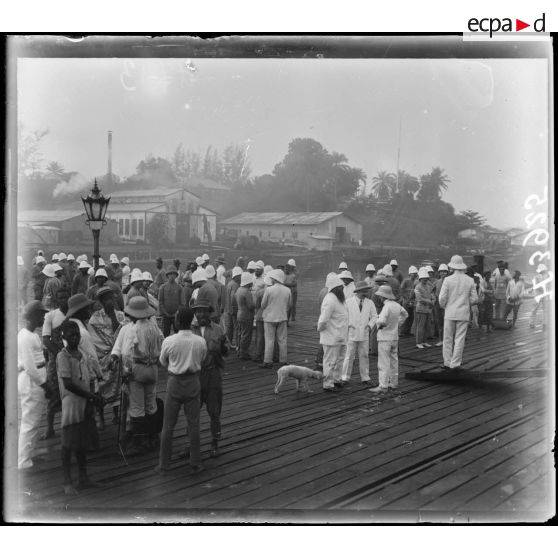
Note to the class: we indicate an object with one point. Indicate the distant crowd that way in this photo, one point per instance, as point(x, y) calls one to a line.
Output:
point(95, 337)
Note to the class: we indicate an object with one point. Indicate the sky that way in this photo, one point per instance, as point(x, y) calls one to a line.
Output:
point(485, 122)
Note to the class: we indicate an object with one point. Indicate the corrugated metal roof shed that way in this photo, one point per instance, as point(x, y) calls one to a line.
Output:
point(163, 192)
point(48, 215)
point(288, 218)
point(143, 206)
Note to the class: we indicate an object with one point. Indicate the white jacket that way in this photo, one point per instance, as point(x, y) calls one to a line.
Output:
point(457, 295)
point(333, 323)
point(358, 320)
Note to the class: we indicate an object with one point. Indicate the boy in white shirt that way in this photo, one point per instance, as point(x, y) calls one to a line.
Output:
point(362, 317)
point(389, 320)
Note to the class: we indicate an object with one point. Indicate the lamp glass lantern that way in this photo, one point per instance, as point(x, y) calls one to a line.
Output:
point(96, 206)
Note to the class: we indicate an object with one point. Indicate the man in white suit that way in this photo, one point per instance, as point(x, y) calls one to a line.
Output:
point(457, 295)
point(362, 317)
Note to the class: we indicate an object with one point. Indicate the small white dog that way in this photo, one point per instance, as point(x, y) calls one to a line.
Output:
point(301, 374)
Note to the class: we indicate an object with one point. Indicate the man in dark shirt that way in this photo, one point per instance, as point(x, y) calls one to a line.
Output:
point(169, 296)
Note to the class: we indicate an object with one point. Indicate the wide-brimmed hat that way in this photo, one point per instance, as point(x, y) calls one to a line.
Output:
point(277, 275)
point(456, 262)
point(202, 302)
point(443, 267)
point(370, 267)
point(57, 268)
point(199, 275)
point(220, 259)
point(260, 264)
point(246, 279)
point(48, 270)
point(393, 262)
point(62, 256)
point(114, 260)
point(267, 280)
point(136, 275)
point(125, 260)
point(423, 273)
point(113, 255)
point(412, 270)
point(334, 281)
point(77, 303)
point(343, 265)
point(40, 259)
point(291, 262)
point(147, 276)
point(200, 261)
point(380, 278)
point(429, 268)
point(83, 265)
point(236, 272)
point(206, 257)
point(138, 307)
point(101, 273)
point(54, 258)
point(103, 291)
point(251, 265)
point(267, 269)
point(346, 275)
point(362, 286)
point(386, 292)
point(171, 269)
point(71, 258)
point(210, 272)
point(32, 308)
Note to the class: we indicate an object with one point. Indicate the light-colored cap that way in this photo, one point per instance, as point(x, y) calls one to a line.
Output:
point(334, 281)
point(260, 264)
point(210, 271)
point(200, 261)
point(362, 286)
point(147, 276)
point(291, 262)
point(236, 272)
point(70, 258)
point(54, 258)
point(246, 279)
point(40, 253)
point(102, 262)
point(62, 256)
point(277, 275)
point(541, 267)
point(346, 275)
point(387, 271)
point(19, 260)
point(385, 291)
point(251, 265)
point(343, 265)
point(443, 267)
point(91, 270)
point(267, 280)
point(125, 260)
point(457, 262)
point(267, 269)
point(423, 273)
point(206, 257)
point(138, 307)
point(429, 268)
point(83, 265)
point(114, 259)
point(136, 275)
point(413, 269)
point(101, 273)
point(57, 267)
point(199, 275)
point(370, 267)
point(48, 270)
point(40, 259)
point(113, 255)
point(393, 262)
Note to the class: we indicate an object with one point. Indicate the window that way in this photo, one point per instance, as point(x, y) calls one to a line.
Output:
point(120, 227)
point(134, 227)
point(140, 228)
point(126, 227)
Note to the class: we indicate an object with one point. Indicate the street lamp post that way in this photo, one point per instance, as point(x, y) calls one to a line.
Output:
point(96, 206)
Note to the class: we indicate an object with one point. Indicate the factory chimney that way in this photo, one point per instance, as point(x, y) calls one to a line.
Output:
point(109, 170)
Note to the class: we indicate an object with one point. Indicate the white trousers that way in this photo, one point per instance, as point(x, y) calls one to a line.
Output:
point(33, 406)
point(454, 342)
point(354, 347)
point(333, 364)
point(388, 364)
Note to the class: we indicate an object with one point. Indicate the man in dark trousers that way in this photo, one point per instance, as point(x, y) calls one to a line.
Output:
point(211, 376)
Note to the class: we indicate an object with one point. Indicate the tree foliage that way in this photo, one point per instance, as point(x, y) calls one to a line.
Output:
point(469, 218)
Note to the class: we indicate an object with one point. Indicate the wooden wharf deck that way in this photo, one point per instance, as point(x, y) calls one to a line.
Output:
point(478, 448)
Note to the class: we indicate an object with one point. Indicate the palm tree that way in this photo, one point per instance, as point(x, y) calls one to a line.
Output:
point(407, 185)
point(432, 185)
point(383, 185)
point(55, 169)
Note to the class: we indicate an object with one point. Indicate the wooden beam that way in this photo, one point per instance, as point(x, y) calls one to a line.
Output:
point(464, 374)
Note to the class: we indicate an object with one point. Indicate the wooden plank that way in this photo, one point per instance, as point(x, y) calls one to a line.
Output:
point(462, 375)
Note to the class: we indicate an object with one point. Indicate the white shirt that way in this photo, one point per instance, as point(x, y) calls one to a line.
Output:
point(333, 323)
point(359, 319)
point(184, 351)
point(276, 302)
point(391, 316)
point(52, 320)
point(349, 290)
point(87, 346)
point(457, 295)
point(220, 274)
point(30, 356)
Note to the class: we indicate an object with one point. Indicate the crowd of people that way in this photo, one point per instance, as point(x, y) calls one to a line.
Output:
point(96, 337)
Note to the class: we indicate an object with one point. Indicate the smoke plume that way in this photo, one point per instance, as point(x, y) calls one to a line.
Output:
point(77, 183)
